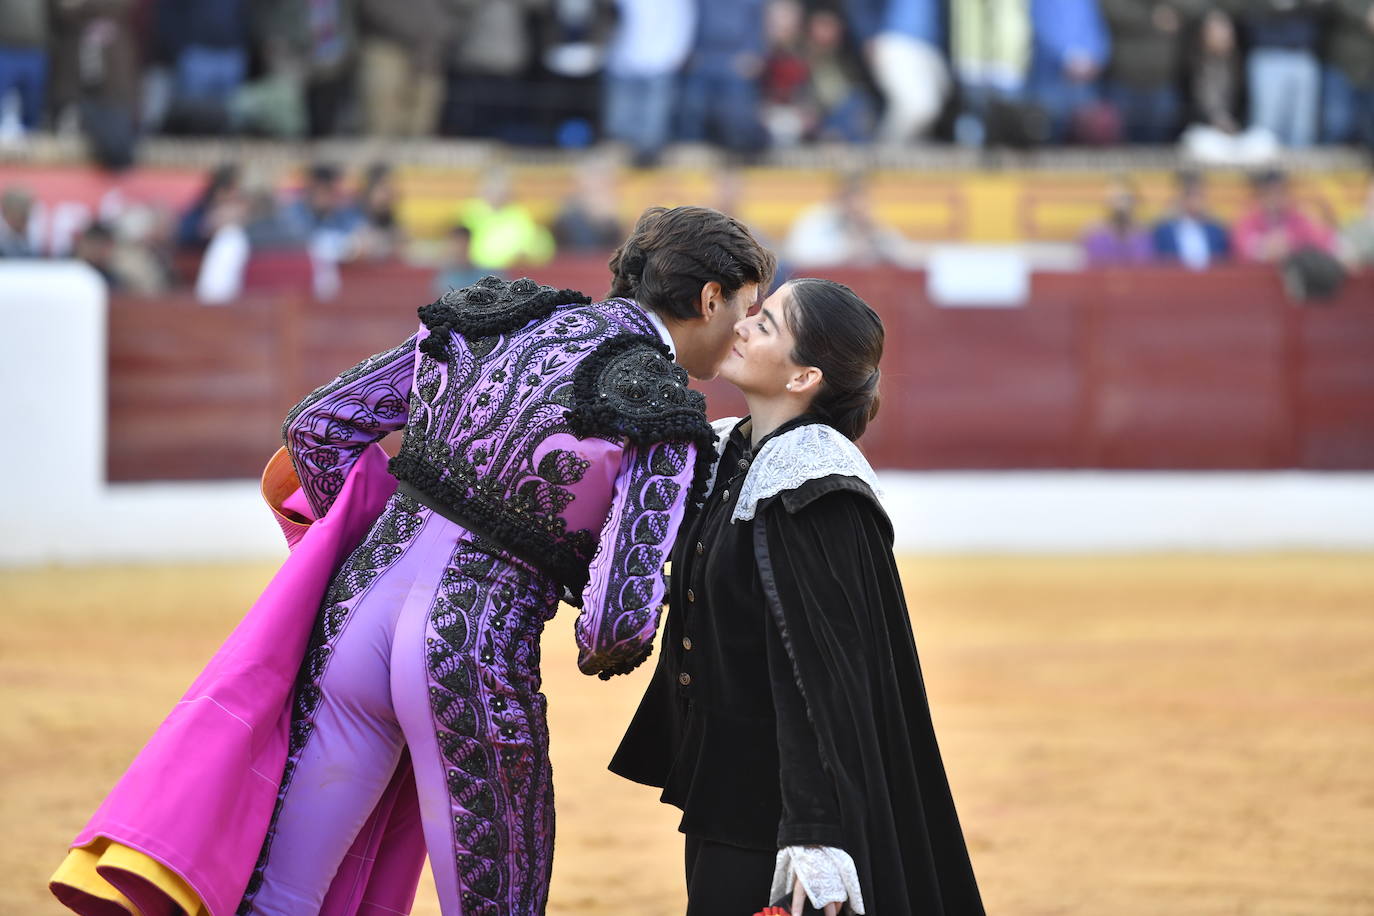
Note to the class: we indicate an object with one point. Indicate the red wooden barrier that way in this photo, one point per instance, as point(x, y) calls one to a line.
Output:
point(1146, 369)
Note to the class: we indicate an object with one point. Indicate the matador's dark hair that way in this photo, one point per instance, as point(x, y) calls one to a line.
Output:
point(672, 254)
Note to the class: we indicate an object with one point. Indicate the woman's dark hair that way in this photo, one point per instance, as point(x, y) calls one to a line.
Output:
point(672, 254)
point(838, 333)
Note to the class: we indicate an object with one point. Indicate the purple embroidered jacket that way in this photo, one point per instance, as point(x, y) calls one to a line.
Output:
point(564, 444)
point(557, 428)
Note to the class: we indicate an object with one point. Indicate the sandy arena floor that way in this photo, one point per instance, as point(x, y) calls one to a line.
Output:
point(1184, 735)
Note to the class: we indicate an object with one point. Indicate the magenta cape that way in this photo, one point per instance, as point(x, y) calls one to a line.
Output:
point(199, 796)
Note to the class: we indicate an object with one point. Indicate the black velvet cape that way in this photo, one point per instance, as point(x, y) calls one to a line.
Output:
point(832, 743)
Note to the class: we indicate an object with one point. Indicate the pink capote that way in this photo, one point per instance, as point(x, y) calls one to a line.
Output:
point(199, 796)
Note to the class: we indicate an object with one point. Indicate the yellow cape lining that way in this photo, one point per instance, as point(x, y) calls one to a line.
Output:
point(85, 873)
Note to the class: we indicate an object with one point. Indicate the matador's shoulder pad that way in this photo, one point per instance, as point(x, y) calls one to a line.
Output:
point(488, 307)
point(629, 386)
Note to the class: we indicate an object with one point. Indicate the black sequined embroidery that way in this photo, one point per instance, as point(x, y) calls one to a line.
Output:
point(489, 307)
point(629, 386)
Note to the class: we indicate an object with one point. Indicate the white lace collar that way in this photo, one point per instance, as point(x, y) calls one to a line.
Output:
point(791, 459)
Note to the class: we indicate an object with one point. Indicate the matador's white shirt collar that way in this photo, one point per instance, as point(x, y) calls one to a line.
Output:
point(661, 328)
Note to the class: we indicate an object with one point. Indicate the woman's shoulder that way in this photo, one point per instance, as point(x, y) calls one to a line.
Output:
point(801, 464)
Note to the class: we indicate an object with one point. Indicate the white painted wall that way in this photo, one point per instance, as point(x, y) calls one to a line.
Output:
point(1121, 511)
point(56, 507)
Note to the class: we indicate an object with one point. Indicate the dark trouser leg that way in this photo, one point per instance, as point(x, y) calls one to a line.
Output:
point(724, 880)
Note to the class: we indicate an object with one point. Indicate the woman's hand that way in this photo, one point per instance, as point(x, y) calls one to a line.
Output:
point(823, 874)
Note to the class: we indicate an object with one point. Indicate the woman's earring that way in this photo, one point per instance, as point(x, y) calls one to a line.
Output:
point(789, 386)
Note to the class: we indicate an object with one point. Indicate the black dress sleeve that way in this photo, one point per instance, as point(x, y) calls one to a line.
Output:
point(810, 812)
point(835, 597)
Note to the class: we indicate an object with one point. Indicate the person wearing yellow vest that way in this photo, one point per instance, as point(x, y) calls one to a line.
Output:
point(504, 232)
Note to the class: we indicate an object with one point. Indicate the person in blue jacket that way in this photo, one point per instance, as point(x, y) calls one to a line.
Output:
point(1191, 236)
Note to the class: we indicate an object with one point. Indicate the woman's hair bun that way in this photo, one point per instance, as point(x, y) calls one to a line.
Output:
point(840, 334)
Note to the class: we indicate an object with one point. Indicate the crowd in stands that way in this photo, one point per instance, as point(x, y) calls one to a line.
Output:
point(239, 219)
point(1313, 254)
point(1275, 228)
point(745, 74)
point(846, 231)
point(235, 222)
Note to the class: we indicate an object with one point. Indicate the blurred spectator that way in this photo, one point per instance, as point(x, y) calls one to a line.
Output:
point(193, 231)
point(24, 58)
point(504, 233)
point(96, 246)
point(811, 81)
point(401, 48)
point(267, 226)
point(16, 207)
point(990, 47)
point(95, 76)
point(910, 69)
point(651, 41)
point(1146, 49)
point(381, 234)
point(206, 43)
point(1283, 73)
point(588, 220)
point(572, 37)
point(1190, 235)
point(325, 214)
point(788, 107)
point(845, 108)
point(1275, 228)
point(490, 53)
point(1121, 239)
point(254, 246)
point(719, 98)
point(1356, 246)
point(220, 279)
point(1348, 83)
point(1215, 74)
point(331, 223)
point(458, 271)
point(311, 46)
point(1071, 47)
point(845, 231)
point(143, 252)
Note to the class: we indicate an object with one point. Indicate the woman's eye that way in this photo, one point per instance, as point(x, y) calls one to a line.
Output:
point(762, 329)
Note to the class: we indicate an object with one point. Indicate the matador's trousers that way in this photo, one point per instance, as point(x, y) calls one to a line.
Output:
point(428, 639)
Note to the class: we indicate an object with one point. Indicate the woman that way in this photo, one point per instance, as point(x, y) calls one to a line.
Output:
point(787, 717)
point(550, 447)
